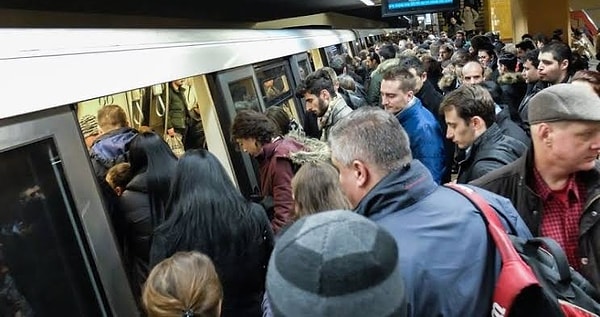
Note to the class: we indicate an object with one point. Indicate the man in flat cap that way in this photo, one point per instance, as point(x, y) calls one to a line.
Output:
point(555, 186)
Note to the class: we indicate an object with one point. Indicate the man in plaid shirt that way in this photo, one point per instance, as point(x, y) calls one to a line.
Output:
point(555, 186)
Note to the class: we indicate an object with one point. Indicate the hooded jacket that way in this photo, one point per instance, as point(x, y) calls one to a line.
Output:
point(513, 90)
point(276, 170)
point(109, 149)
point(135, 204)
point(373, 91)
point(446, 258)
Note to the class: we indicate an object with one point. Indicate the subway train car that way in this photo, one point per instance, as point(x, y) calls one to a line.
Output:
point(57, 246)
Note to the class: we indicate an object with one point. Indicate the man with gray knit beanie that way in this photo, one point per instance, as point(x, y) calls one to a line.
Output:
point(335, 263)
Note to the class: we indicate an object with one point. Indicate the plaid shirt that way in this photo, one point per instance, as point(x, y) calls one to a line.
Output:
point(562, 212)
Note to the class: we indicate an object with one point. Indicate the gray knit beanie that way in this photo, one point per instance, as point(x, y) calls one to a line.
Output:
point(335, 263)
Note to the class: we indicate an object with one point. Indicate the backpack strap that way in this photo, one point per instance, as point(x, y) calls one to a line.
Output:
point(558, 255)
point(494, 225)
point(515, 275)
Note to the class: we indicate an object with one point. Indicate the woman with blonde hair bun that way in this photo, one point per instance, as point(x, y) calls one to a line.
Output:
point(185, 284)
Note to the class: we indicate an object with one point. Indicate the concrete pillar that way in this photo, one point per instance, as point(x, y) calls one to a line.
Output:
point(513, 18)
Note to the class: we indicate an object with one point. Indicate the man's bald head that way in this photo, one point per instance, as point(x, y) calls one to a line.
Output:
point(472, 73)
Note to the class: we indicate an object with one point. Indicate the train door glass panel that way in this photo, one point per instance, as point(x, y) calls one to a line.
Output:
point(276, 87)
point(355, 48)
point(40, 235)
point(239, 88)
point(301, 67)
point(243, 94)
point(332, 51)
point(348, 49)
point(274, 83)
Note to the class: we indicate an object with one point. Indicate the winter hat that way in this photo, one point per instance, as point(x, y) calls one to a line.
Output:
point(89, 125)
point(335, 263)
point(480, 41)
point(564, 102)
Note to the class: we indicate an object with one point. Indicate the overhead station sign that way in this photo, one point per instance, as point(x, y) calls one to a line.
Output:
point(391, 8)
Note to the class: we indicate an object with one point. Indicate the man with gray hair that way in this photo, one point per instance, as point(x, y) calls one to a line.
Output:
point(445, 256)
point(555, 186)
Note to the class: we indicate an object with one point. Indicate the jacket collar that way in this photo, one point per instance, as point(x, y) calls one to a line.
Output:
point(492, 134)
point(409, 110)
point(397, 190)
point(336, 105)
point(525, 164)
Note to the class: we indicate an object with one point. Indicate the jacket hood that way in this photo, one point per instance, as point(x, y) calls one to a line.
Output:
point(387, 64)
point(399, 188)
point(138, 183)
point(281, 147)
point(447, 81)
point(511, 78)
point(314, 151)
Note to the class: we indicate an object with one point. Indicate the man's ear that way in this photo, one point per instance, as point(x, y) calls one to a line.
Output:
point(564, 65)
point(545, 133)
point(478, 123)
point(361, 173)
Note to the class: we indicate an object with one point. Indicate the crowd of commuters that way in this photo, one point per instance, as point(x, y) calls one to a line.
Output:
point(353, 219)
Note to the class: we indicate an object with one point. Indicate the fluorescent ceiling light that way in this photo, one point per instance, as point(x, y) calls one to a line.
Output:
point(368, 2)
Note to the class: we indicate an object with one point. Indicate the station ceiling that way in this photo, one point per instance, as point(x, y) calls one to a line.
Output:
point(220, 10)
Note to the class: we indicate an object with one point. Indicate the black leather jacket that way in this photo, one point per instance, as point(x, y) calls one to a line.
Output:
point(490, 151)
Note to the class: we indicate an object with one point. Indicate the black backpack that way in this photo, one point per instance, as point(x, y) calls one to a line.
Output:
point(535, 279)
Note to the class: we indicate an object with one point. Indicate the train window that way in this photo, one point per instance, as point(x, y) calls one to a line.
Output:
point(274, 83)
point(303, 68)
point(276, 87)
point(43, 266)
point(244, 95)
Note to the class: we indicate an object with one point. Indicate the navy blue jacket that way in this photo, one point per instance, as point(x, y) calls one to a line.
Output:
point(426, 139)
point(447, 261)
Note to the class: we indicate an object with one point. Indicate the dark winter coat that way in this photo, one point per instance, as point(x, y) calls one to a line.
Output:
point(515, 182)
point(513, 90)
point(510, 127)
point(490, 151)
point(135, 204)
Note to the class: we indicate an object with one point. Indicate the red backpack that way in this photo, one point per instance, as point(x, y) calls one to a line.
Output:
point(535, 278)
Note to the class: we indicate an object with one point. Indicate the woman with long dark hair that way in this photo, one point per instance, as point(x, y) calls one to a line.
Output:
point(152, 164)
point(208, 214)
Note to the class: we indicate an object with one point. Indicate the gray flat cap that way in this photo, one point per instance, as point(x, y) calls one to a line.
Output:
point(564, 102)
